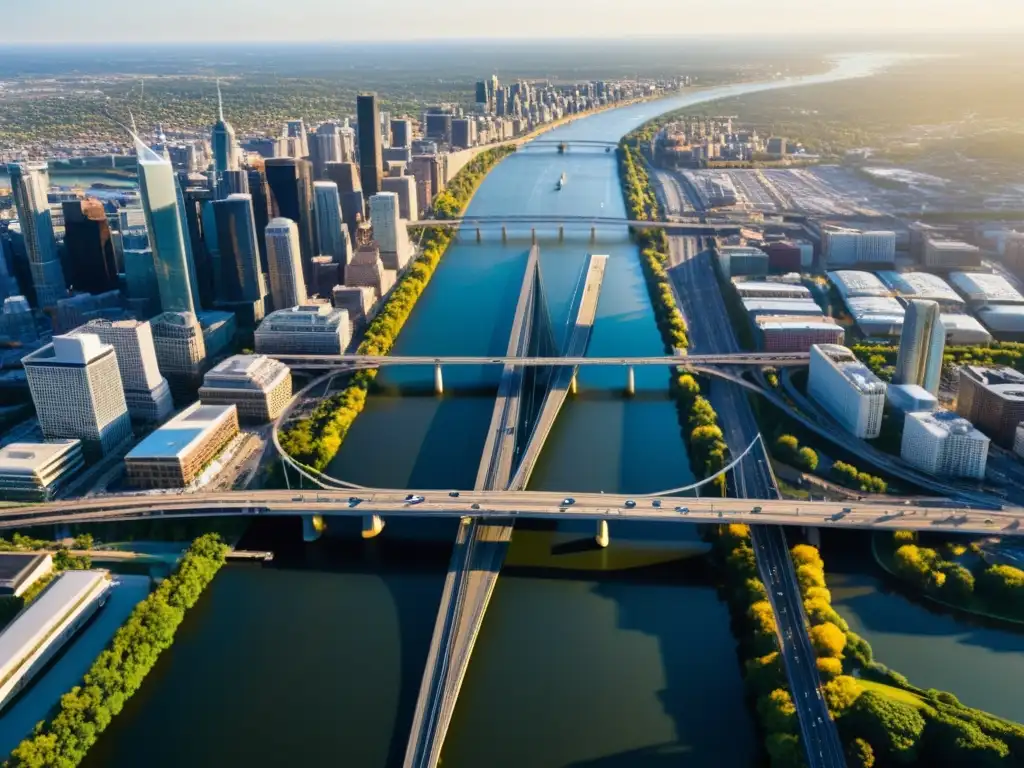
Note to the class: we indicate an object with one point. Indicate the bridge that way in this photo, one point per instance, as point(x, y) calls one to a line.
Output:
point(567, 143)
point(692, 228)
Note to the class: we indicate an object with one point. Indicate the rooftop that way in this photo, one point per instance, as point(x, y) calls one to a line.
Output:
point(175, 438)
point(946, 423)
point(14, 566)
point(26, 458)
point(920, 285)
point(855, 283)
point(983, 286)
point(70, 350)
point(246, 372)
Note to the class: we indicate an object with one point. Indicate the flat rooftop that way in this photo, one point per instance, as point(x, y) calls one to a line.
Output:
point(26, 458)
point(177, 437)
point(14, 566)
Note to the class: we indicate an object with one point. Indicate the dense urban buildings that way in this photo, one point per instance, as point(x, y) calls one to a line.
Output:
point(38, 471)
point(992, 399)
point(76, 388)
point(317, 329)
point(847, 389)
point(259, 386)
point(945, 445)
point(176, 454)
point(287, 284)
point(922, 345)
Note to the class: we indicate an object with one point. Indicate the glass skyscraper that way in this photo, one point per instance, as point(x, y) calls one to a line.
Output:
point(291, 197)
point(29, 185)
point(238, 276)
point(331, 237)
point(371, 164)
point(922, 344)
point(168, 232)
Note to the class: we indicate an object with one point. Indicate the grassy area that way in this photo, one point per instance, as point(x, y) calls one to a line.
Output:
point(894, 694)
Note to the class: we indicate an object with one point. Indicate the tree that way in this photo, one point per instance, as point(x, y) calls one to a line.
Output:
point(809, 576)
point(859, 754)
point(785, 750)
point(959, 581)
point(820, 612)
point(764, 674)
point(828, 640)
point(829, 668)
point(786, 447)
point(806, 459)
point(841, 693)
point(777, 712)
point(805, 554)
point(887, 724)
point(83, 541)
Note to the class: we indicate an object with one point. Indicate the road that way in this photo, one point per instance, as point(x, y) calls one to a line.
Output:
point(710, 332)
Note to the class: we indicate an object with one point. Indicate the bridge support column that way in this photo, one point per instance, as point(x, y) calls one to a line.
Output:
point(573, 388)
point(813, 535)
point(478, 237)
point(504, 234)
point(561, 233)
point(593, 234)
point(630, 381)
point(438, 380)
point(601, 537)
point(312, 527)
point(533, 235)
point(373, 525)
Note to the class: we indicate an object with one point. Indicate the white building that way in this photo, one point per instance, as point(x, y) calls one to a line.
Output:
point(985, 288)
point(923, 285)
point(259, 386)
point(331, 237)
point(284, 262)
point(849, 246)
point(1018, 441)
point(951, 254)
point(944, 444)
point(76, 388)
point(36, 471)
point(922, 345)
point(317, 329)
point(389, 230)
point(145, 390)
point(847, 389)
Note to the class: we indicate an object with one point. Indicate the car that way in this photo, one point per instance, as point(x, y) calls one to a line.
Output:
point(413, 499)
point(453, 494)
point(988, 521)
point(475, 506)
point(629, 504)
point(684, 510)
point(353, 500)
point(656, 503)
point(756, 510)
point(568, 501)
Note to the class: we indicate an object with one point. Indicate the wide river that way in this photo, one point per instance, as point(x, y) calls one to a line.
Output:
point(586, 658)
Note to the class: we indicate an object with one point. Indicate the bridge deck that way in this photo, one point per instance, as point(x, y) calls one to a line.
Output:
point(781, 359)
point(585, 314)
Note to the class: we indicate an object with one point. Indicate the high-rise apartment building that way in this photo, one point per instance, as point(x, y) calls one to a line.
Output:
point(346, 176)
point(30, 184)
point(146, 392)
point(405, 187)
point(168, 232)
point(331, 236)
point(260, 210)
point(389, 230)
point(922, 345)
point(943, 444)
point(371, 165)
point(238, 275)
point(180, 352)
point(76, 389)
point(291, 197)
point(287, 284)
point(992, 399)
point(462, 133)
point(89, 246)
point(847, 389)
point(296, 129)
point(401, 133)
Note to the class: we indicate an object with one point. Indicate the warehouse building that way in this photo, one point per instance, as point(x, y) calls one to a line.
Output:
point(985, 288)
point(742, 260)
point(992, 399)
point(796, 334)
point(259, 386)
point(877, 316)
point(847, 389)
point(759, 289)
point(922, 285)
point(853, 283)
point(964, 330)
point(38, 471)
point(1005, 321)
point(944, 445)
point(951, 254)
point(841, 246)
point(802, 307)
point(20, 570)
point(176, 454)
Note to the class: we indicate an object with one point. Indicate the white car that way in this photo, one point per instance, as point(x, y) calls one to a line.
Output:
point(411, 499)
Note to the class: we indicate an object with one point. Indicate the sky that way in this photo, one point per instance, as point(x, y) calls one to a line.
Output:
point(145, 21)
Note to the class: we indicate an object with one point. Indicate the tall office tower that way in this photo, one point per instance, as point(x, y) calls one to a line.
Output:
point(389, 230)
point(76, 388)
point(82, 307)
point(90, 250)
point(260, 210)
point(346, 176)
point(202, 238)
point(146, 392)
point(324, 148)
point(331, 236)
point(180, 353)
point(29, 186)
point(462, 133)
point(168, 232)
point(481, 95)
point(296, 129)
point(291, 197)
point(847, 389)
point(222, 140)
point(371, 165)
point(287, 285)
point(405, 187)
point(401, 133)
point(232, 183)
point(385, 128)
point(438, 125)
point(945, 445)
point(17, 323)
point(922, 344)
point(238, 276)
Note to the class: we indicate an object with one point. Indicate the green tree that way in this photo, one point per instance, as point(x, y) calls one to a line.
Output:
point(890, 726)
point(777, 712)
point(806, 459)
point(786, 447)
point(859, 754)
point(841, 693)
point(828, 640)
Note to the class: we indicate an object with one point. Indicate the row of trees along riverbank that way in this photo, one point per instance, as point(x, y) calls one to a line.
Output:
point(314, 441)
point(118, 672)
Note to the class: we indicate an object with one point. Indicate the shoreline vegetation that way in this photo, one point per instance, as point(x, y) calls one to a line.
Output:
point(315, 441)
point(120, 670)
point(883, 719)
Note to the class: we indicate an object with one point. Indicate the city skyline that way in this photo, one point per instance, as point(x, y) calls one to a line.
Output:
point(60, 21)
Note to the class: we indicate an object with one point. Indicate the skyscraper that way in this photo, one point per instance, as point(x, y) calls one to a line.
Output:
point(346, 176)
point(922, 344)
point(332, 237)
point(324, 147)
point(389, 230)
point(238, 276)
point(76, 388)
point(405, 187)
point(89, 246)
point(260, 210)
point(197, 202)
point(296, 129)
point(401, 133)
point(291, 197)
point(180, 352)
point(168, 232)
point(371, 165)
point(29, 185)
point(222, 140)
point(287, 286)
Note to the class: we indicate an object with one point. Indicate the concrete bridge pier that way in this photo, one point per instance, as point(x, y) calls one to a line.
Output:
point(533, 235)
point(561, 233)
point(630, 381)
point(572, 385)
point(373, 526)
point(602, 537)
point(504, 234)
point(438, 380)
point(813, 534)
point(478, 237)
point(312, 527)
point(593, 234)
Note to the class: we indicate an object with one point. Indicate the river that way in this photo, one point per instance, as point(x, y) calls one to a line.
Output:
point(586, 658)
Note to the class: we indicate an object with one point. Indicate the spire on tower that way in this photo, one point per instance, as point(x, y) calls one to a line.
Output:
point(220, 102)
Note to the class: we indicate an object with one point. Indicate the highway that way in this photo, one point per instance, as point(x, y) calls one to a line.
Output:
point(584, 311)
point(710, 332)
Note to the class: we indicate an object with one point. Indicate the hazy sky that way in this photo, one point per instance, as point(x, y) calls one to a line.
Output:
point(209, 20)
